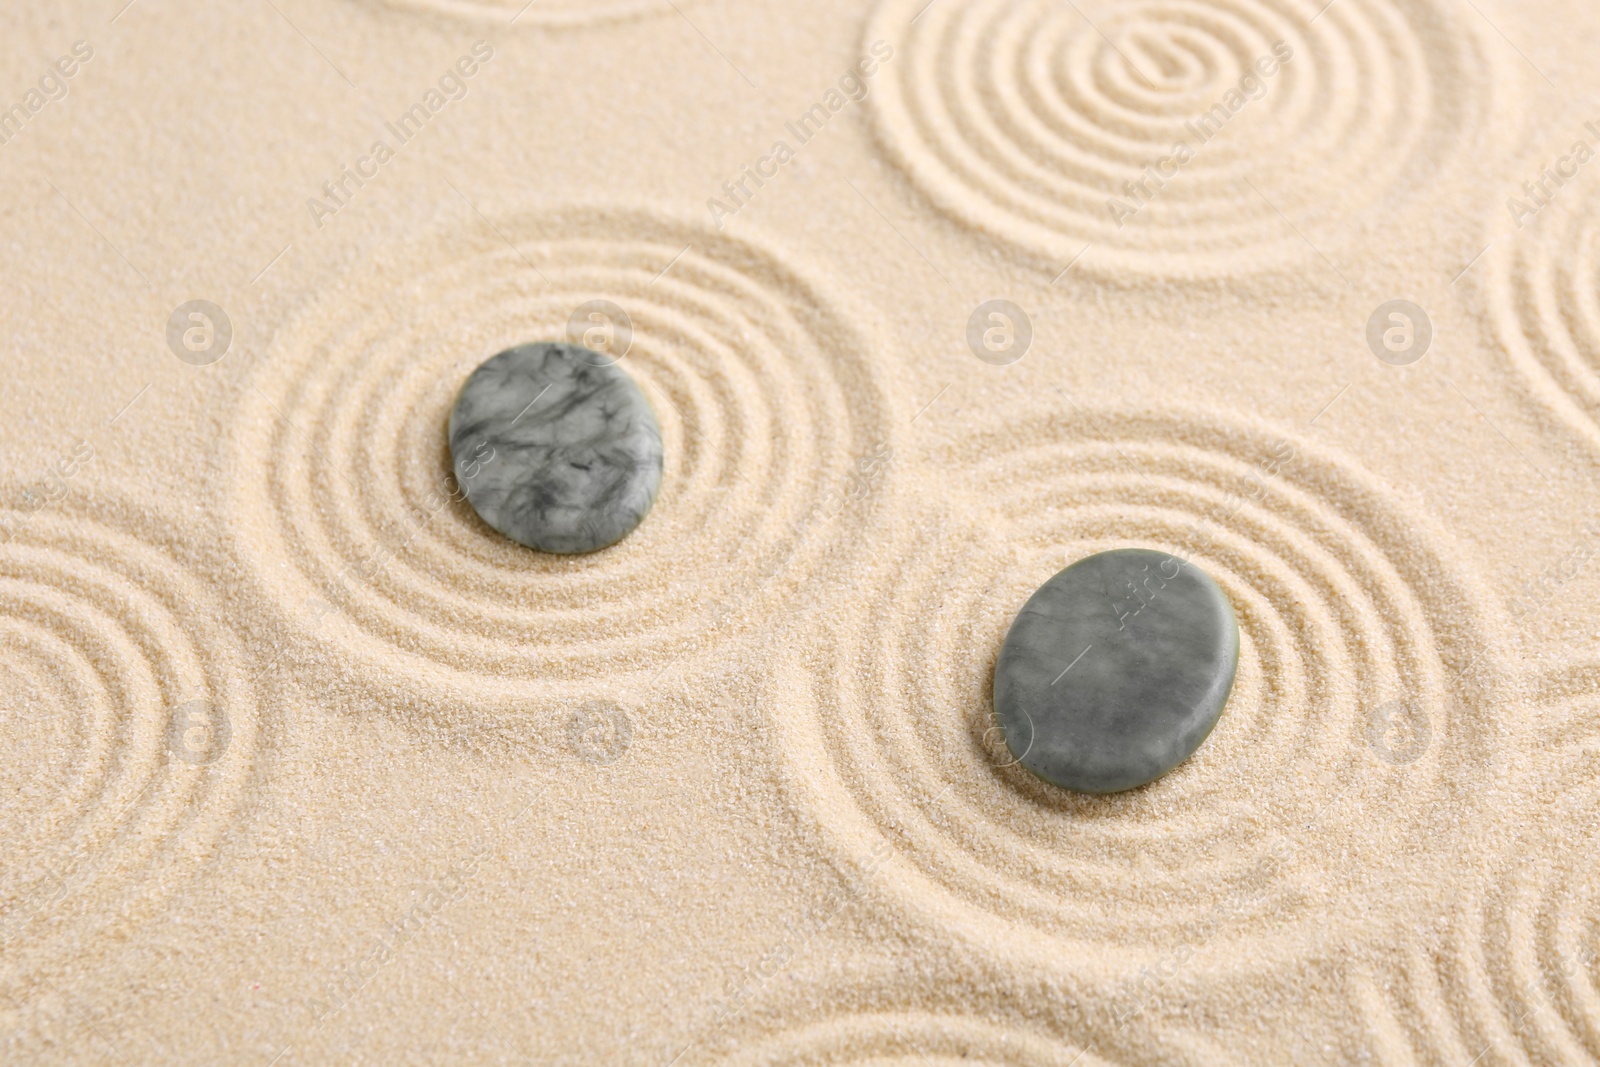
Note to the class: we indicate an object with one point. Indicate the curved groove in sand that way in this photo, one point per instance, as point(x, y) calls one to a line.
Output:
point(766, 396)
point(1344, 604)
point(1543, 292)
point(104, 636)
point(1517, 977)
point(1025, 121)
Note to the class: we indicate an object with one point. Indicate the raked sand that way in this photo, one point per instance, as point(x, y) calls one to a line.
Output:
point(303, 764)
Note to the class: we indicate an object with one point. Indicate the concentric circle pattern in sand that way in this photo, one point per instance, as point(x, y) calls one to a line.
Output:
point(767, 400)
point(131, 722)
point(554, 14)
point(1518, 978)
point(1147, 133)
point(1543, 292)
point(1345, 716)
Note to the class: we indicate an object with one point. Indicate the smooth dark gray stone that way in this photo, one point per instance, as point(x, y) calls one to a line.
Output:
point(1116, 670)
point(556, 447)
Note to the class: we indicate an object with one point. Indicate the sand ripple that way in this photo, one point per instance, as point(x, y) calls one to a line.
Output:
point(1024, 119)
point(766, 399)
point(1345, 608)
point(1543, 293)
point(1517, 979)
point(131, 724)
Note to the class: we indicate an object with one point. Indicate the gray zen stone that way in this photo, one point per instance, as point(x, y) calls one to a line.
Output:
point(1115, 670)
point(556, 447)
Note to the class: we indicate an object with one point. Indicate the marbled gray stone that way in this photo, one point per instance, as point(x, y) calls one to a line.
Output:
point(1115, 670)
point(556, 447)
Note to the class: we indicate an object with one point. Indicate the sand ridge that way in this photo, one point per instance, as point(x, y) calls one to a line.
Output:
point(1542, 298)
point(1351, 686)
point(160, 722)
point(730, 791)
point(1030, 124)
point(769, 403)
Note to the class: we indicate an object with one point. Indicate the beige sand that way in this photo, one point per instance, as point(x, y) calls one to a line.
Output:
point(304, 765)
